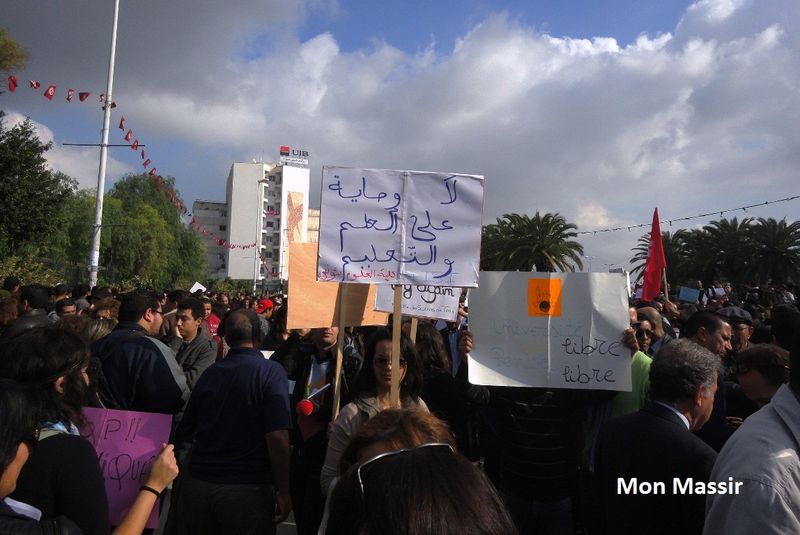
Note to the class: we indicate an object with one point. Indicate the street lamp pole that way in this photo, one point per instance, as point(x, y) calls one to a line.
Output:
point(259, 215)
point(94, 254)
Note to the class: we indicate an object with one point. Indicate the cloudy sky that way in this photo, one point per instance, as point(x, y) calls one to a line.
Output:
point(598, 110)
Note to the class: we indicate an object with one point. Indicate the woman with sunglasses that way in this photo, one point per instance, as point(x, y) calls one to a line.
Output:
point(62, 475)
point(372, 395)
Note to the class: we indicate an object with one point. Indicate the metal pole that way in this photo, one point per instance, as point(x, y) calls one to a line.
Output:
point(94, 254)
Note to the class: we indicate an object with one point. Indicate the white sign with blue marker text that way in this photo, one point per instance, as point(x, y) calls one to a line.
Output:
point(421, 301)
point(385, 226)
point(550, 330)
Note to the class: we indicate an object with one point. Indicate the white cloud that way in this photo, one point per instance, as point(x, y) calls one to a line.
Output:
point(700, 118)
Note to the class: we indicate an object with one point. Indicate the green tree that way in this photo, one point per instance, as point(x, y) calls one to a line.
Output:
point(522, 243)
point(31, 196)
point(12, 56)
point(678, 264)
point(775, 251)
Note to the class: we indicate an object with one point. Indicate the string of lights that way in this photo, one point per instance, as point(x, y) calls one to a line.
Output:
point(688, 218)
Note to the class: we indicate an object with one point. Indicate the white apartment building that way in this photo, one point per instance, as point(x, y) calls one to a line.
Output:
point(213, 216)
point(267, 204)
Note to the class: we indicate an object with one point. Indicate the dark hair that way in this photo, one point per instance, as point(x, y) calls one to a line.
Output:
point(241, 326)
point(9, 283)
point(39, 357)
point(8, 310)
point(80, 290)
point(396, 429)
point(66, 302)
point(107, 303)
point(61, 289)
point(679, 369)
point(367, 385)
point(36, 295)
point(430, 346)
point(134, 305)
point(176, 296)
point(710, 321)
point(420, 491)
point(193, 304)
point(770, 360)
point(17, 420)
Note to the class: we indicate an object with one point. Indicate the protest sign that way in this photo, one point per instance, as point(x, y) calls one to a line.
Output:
point(126, 443)
point(688, 295)
point(400, 227)
point(314, 304)
point(555, 330)
point(197, 286)
point(419, 300)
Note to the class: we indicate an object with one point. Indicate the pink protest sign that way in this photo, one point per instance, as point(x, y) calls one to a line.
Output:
point(126, 442)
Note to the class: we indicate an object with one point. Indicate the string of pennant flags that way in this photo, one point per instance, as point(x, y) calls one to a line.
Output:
point(689, 218)
point(157, 180)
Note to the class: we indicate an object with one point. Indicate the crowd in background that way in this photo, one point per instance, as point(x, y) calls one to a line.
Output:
point(254, 438)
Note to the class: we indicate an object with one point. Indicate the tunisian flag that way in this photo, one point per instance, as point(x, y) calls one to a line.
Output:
point(655, 262)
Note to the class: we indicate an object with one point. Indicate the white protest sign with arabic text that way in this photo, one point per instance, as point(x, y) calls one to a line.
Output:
point(435, 302)
point(553, 330)
point(400, 227)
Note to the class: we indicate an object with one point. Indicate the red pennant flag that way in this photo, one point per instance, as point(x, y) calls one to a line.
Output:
point(122, 123)
point(146, 163)
point(12, 83)
point(70, 92)
point(135, 145)
point(142, 154)
point(152, 171)
point(129, 135)
point(656, 262)
point(83, 95)
point(35, 84)
point(50, 92)
point(102, 97)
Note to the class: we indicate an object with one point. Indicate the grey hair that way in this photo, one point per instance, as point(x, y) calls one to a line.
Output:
point(679, 368)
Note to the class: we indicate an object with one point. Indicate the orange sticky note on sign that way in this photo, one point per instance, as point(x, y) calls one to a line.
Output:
point(544, 297)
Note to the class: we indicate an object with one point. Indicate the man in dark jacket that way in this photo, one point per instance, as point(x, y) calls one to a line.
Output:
point(639, 457)
point(33, 301)
point(194, 350)
point(139, 372)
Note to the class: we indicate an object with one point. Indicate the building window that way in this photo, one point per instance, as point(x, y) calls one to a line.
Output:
point(223, 227)
point(270, 224)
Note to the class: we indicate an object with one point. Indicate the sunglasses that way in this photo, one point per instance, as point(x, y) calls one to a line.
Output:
point(386, 361)
point(361, 471)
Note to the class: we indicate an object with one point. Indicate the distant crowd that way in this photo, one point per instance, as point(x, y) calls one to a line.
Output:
point(706, 440)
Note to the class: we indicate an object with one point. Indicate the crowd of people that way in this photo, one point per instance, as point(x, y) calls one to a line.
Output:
point(706, 440)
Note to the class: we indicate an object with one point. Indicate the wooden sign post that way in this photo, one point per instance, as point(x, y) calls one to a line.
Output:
point(337, 376)
point(397, 325)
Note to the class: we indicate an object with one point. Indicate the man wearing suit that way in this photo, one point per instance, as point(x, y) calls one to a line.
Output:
point(644, 460)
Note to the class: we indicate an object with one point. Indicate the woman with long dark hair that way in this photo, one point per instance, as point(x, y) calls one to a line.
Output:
point(372, 387)
point(62, 476)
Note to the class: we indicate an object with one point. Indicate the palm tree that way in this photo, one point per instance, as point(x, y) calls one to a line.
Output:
point(539, 243)
point(674, 252)
point(775, 251)
point(727, 247)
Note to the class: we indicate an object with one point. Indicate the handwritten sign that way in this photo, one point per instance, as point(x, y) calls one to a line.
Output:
point(555, 330)
point(126, 443)
point(423, 301)
point(400, 227)
point(313, 304)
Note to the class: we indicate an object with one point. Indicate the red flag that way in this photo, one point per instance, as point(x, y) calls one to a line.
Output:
point(656, 262)
point(50, 92)
point(102, 97)
point(12, 83)
point(152, 171)
point(129, 135)
point(142, 154)
point(83, 95)
point(70, 92)
point(35, 84)
point(135, 145)
point(122, 123)
point(146, 163)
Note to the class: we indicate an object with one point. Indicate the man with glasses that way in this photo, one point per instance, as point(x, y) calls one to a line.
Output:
point(138, 372)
